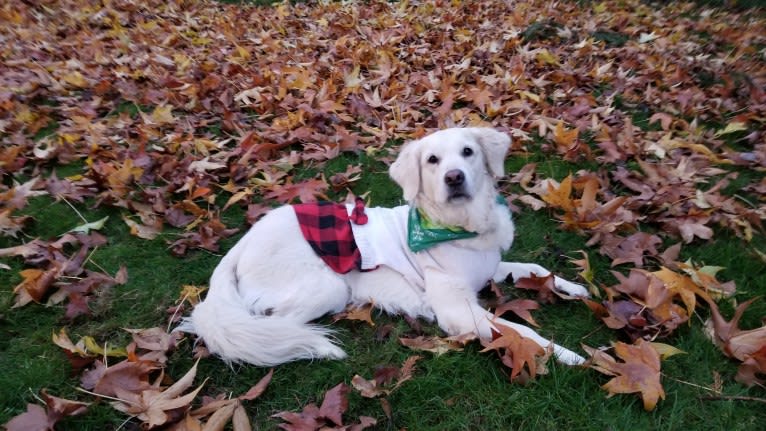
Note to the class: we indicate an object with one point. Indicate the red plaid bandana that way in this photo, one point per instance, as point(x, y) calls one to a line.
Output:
point(327, 228)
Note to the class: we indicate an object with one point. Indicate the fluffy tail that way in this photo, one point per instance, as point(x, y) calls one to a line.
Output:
point(230, 332)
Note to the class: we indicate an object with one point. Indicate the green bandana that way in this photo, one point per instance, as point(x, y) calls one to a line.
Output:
point(422, 233)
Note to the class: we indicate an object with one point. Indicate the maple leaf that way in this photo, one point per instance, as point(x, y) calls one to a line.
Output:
point(587, 273)
point(312, 418)
point(544, 286)
point(733, 341)
point(753, 366)
point(35, 285)
point(144, 231)
point(519, 307)
point(130, 376)
point(363, 313)
point(563, 138)
point(45, 418)
point(517, 351)
point(559, 196)
point(435, 345)
point(221, 411)
point(153, 405)
point(377, 387)
point(639, 371)
point(632, 249)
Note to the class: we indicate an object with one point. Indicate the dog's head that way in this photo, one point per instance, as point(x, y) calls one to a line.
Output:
point(451, 166)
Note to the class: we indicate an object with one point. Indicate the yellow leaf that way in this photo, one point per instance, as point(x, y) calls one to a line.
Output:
point(92, 347)
point(560, 197)
point(666, 350)
point(75, 79)
point(192, 294)
point(163, 114)
point(681, 285)
point(544, 56)
point(736, 126)
point(530, 95)
point(600, 8)
point(352, 80)
point(562, 137)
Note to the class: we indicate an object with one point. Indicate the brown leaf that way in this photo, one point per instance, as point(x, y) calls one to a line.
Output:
point(34, 419)
point(240, 421)
point(363, 313)
point(35, 285)
point(123, 376)
point(753, 366)
point(435, 345)
point(544, 286)
point(519, 351)
point(335, 404)
point(155, 406)
point(376, 387)
point(259, 387)
point(39, 418)
point(733, 341)
point(519, 307)
point(639, 372)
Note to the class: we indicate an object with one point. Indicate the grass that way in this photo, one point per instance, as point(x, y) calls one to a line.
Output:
point(467, 390)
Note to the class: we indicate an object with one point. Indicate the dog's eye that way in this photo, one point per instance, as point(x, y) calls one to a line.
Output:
point(467, 152)
point(433, 160)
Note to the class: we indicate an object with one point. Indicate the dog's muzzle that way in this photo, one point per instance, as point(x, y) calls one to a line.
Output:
point(455, 181)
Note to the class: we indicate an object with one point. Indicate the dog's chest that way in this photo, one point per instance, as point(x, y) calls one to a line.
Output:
point(474, 266)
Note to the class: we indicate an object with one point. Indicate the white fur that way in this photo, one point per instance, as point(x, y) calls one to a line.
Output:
point(271, 284)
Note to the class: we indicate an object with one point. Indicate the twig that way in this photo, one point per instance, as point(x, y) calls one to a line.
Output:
point(175, 313)
point(104, 396)
point(73, 208)
point(733, 398)
point(691, 384)
point(93, 262)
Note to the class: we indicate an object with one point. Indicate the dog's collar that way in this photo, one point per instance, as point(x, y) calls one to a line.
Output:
point(422, 233)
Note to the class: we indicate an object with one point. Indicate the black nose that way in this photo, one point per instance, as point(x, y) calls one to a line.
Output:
point(454, 178)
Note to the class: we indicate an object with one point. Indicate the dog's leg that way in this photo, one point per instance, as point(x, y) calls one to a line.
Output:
point(562, 354)
point(522, 270)
point(458, 312)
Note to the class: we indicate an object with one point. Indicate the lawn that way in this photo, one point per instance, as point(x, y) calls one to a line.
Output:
point(167, 128)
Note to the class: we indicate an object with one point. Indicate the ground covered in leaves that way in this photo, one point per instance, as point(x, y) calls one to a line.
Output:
point(139, 140)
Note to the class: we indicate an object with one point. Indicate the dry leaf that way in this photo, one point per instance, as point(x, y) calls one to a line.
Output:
point(638, 373)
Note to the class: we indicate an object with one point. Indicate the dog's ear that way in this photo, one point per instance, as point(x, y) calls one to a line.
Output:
point(495, 145)
point(406, 170)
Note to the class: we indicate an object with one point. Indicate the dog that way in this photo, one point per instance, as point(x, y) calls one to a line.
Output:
point(427, 259)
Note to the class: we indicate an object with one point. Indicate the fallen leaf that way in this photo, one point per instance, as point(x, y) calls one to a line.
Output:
point(39, 418)
point(638, 373)
point(363, 313)
point(518, 352)
point(519, 307)
point(435, 345)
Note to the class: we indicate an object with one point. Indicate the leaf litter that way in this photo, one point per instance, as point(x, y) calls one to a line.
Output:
point(167, 106)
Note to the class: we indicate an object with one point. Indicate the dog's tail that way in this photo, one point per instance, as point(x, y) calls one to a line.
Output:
point(230, 332)
point(223, 321)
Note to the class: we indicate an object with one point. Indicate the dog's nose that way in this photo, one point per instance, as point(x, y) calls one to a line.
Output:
point(454, 178)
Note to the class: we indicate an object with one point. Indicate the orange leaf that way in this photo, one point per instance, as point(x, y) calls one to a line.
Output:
point(518, 351)
point(563, 138)
point(363, 313)
point(639, 373)
point(559, 197)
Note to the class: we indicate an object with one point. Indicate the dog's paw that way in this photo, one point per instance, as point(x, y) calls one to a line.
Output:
point(571, 290)
point(567, 357)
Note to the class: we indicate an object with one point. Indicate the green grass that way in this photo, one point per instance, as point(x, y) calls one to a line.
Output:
point(467, 390)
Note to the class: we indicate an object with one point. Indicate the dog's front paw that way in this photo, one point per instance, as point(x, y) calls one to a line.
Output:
point(569, 289)
point(567, 357)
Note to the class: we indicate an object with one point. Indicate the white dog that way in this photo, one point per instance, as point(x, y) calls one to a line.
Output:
point(427, 259)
